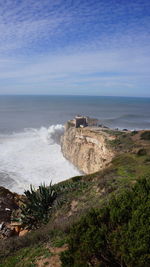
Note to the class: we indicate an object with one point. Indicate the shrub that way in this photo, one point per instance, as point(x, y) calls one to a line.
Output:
point(134, 133)
point(142, 152)
point(145, 135)
point(38, 205)
point(115, 235)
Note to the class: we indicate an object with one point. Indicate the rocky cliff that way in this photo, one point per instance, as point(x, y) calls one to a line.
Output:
point(8, 203)
point(87, 147)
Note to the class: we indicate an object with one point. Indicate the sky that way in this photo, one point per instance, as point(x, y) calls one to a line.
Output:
point(75, 47)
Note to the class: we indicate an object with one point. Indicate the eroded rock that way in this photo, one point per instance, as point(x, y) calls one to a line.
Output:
point(8, 203)
point(87, 148)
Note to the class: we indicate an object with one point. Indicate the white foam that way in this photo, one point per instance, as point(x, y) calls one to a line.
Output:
point(33, 157)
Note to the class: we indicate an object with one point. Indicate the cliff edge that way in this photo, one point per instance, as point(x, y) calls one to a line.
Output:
point(87, 147)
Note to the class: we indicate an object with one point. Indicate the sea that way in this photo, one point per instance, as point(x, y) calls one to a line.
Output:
point(31, 127)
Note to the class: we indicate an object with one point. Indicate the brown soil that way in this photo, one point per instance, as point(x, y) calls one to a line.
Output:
point(73, 207)
point(54, 260)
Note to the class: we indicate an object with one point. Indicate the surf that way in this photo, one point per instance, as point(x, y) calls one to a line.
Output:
point(33, 157)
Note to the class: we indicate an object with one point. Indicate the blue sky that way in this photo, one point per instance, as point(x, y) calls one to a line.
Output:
point(78, 47)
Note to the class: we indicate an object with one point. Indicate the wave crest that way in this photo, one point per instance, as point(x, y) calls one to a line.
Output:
point(34, 156)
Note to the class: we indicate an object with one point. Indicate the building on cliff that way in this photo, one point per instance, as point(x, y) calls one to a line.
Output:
point(80, 121)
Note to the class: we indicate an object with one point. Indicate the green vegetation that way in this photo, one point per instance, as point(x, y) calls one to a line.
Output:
point(38, 205)
point(112, 132)
point(145, 135)
point(122, 141)
point(142, 152)
point(27, 257)
point(134, 133)
point(113, 205)
point(116, 235)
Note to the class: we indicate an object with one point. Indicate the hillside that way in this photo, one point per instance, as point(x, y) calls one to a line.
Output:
point(92, 148)
point(127, 180)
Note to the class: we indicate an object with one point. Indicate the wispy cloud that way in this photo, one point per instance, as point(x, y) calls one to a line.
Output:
point(60, 46)
point(111, 69)
point(24, 24)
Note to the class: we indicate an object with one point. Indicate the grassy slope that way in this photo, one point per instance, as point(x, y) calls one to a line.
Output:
point(80, 195)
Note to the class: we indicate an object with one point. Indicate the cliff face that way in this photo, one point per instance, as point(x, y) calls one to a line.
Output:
point(86, 148)
point(8, 203)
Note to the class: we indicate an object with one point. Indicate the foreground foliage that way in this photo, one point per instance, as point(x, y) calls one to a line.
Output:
point(92, 191)
point(38, 205)
point(27, 257)
point(116, 235)
point(145, 135)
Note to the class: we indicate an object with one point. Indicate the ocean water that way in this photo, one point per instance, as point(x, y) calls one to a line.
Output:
point(31, 126)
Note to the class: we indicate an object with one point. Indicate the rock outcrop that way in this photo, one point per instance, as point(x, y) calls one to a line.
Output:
point(86, 147)
point(8, 203)
point(9, 211)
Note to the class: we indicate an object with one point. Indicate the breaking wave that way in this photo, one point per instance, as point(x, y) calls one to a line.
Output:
point(33, 157)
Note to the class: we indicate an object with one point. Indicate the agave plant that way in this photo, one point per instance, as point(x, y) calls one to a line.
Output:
point(37, 207)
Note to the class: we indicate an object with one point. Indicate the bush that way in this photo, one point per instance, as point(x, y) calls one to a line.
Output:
point(145, 135)
point(142, 152)
point(134, 133)
point(38, 205)
point(116, 235)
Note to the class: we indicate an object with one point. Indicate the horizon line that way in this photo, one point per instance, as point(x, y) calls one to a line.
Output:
point(73, 95)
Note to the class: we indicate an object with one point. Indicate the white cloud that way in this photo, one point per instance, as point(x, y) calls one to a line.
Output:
point(116, 69)
point(122, 61)
point(49, 45)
